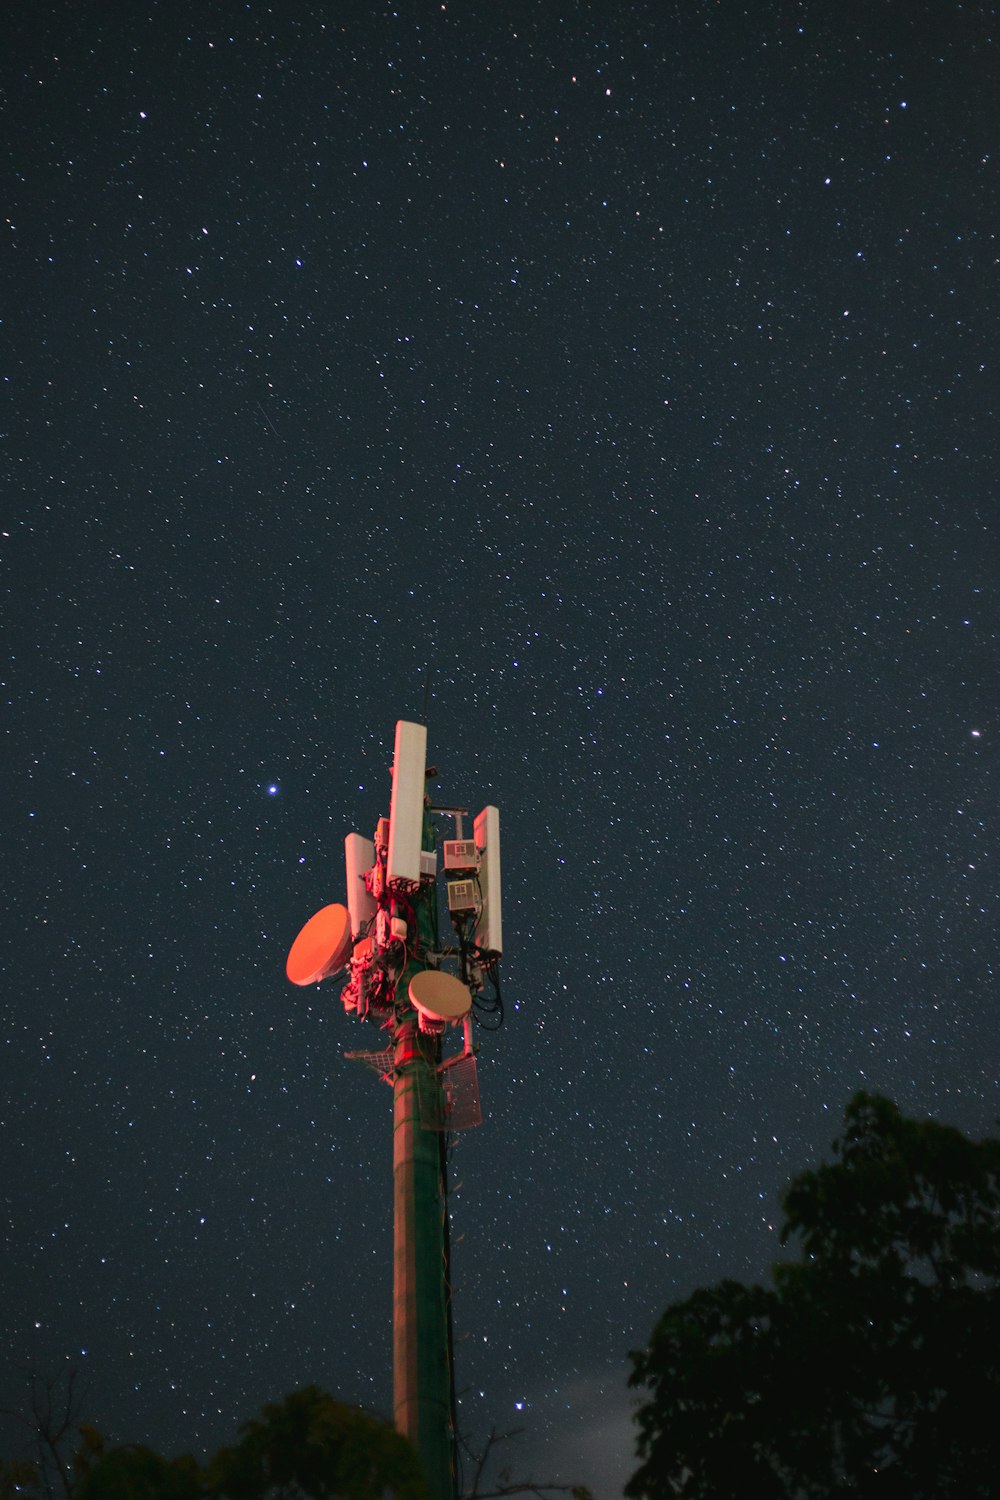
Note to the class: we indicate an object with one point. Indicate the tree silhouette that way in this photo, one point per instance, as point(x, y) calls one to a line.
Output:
point(871, 1367)
point(311, 1445)
point(137, 1473)
point(305, 1447)
point(50, 1418)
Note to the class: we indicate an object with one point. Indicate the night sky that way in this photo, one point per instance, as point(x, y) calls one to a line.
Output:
point(619, 383)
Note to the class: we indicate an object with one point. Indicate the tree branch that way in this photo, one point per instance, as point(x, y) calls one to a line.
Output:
point(542, 1490)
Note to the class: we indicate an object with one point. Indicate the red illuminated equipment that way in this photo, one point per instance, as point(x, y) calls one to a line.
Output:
point(396, 973)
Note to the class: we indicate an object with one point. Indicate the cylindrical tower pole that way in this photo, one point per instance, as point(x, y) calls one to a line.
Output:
point(421, 1359)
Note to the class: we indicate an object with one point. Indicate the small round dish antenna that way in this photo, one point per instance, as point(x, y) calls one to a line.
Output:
point(322, 947)
point(439, 998)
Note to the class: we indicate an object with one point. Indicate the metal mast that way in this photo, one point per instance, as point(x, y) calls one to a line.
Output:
point(398, 977)
point(421, 1368)
point(421, 1348)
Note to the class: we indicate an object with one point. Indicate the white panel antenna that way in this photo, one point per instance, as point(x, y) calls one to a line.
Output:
point(406, 813)
point(461, 854)
point(489, 928)
point(359, 854)
point(461, 896)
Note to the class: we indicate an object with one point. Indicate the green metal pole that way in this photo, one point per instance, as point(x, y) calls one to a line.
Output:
point(421, 1367)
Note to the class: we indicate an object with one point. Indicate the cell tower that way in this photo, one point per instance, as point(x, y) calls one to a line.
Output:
point(385, 944)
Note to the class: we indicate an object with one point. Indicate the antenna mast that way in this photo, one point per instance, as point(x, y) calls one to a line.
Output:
point(399, 977)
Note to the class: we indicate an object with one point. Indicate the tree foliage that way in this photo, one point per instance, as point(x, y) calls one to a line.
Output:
point(137, 1473)
point(306, 1447)
point(310, 1445)
point(871, 1366)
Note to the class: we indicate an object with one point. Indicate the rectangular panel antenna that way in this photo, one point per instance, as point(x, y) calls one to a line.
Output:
point(359, 854)
point(406, 814)
point(461, 896)
point(489, 929)
point(461, 854)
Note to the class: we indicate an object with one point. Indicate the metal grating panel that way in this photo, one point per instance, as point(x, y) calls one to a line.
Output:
point(382, 1062)
point(461, 1092)
point(430, 1099)
point(450, 1100)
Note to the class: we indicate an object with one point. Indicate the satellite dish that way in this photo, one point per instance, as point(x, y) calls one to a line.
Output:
point(322, 947)
point(438, 996)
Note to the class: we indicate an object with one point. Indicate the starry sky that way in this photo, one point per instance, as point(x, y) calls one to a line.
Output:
point(614, 387)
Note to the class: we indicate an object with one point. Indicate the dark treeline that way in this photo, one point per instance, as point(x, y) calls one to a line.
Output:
point(869, 1367)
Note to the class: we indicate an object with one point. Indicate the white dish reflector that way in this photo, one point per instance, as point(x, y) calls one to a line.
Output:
point(439, 996)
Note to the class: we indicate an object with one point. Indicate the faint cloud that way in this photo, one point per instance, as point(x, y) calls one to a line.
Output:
point(580, 1432)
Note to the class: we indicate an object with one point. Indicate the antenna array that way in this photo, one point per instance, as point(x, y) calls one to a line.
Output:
point(399, 976)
